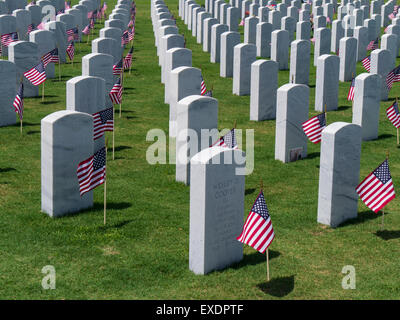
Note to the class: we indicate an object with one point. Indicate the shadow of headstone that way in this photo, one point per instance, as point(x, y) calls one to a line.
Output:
point(388, 234)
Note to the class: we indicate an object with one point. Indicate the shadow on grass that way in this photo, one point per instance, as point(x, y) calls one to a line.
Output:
point(312, 155)
point(342, 108)
point(39, 97)
point(255, 258)
point(385, 136)
point(27, 124)
point(32, 132)
point(46, 102)
point(249, 191)
point(99, 206)
point(388, 234)
point(120, 148)
point(130, 117)
point(361, 218)
point(7, 169)
point(278, 287)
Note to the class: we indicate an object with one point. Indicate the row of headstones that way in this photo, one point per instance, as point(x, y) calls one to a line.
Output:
point(259, 31)
point(259, 77)
point(67, 136)
point(216, 192)
point(26, 53)
point(341, 142)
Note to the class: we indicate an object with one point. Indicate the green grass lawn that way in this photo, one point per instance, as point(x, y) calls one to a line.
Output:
point(142, 252)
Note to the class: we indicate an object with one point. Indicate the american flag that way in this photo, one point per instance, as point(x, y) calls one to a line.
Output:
point(37, 75)
point(94, 16)
point(91, 23)
point(227, 141)
point(60, 12)
point(241, 23)
point(377, 190)
point(86, 30)
point(393, 114)
point(350, 95)
point(31, 27)
point(71, 50)
point(92, 172)
point(103, 9)
point(314, 126)
point(8, 38)
point(72, 34)
point(67, 5)
point(203, 88)
point(125, 38)
point(393, 76)
point(90, 14)
point(131, 33)
point(103, 121)
point(257, 230)
point(391, 16)
point(374, 44)
point(128, 59)
point(117, 68)
point(40, 26)
point(98, 14)
point(386, 29)
point(49, 57)
point(130, 24)
point(19, 101)
point(208, 93)
point(366, 62)
point(116, 92)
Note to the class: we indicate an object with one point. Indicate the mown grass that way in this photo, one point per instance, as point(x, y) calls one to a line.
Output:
point(142, 252)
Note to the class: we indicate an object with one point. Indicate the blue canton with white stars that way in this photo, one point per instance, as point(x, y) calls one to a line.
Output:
point(260, 207)
point(382, 172)
point(99, 159)
point(106, 115)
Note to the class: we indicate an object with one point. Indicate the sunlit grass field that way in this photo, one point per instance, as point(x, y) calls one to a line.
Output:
point(143, 251)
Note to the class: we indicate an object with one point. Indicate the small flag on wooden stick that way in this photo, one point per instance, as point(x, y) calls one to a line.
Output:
point(257, 230)
point(377, 190)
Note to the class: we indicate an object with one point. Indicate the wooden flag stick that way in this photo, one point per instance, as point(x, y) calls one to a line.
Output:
point(21, 79)
point(122, 84)
point(383, 211)
point(43, 92)
point(397, 129)
point(59, 69)
point(113, 134)
point(267, 254)
point(105, 189)
point(234, 124)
